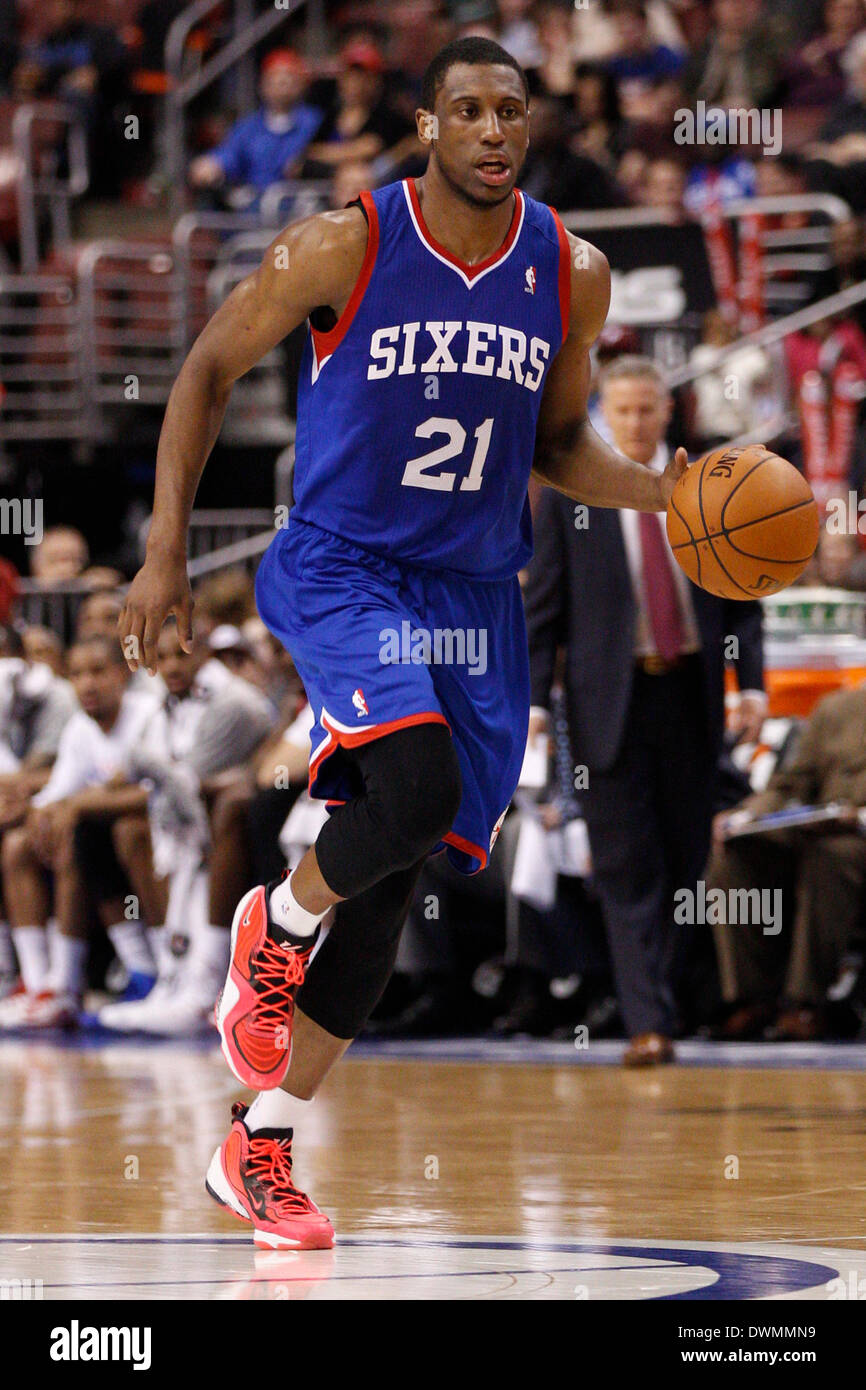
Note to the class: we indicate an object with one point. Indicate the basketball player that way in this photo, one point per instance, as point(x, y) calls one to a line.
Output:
point(450, 321)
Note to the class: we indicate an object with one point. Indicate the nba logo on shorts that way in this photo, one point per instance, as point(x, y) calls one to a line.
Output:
point(530, 279)
point(360, 703)
point(496, 829)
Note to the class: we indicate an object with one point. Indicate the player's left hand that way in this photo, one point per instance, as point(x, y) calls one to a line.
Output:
point(672, 474)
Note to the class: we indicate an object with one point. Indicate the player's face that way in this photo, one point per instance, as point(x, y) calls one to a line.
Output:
point(483, 131)
point(638, 413)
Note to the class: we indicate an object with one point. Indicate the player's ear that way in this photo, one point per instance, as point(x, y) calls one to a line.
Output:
point(428, 126)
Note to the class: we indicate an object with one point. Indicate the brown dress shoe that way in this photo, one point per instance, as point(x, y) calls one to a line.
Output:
point(798, 1025)
point(745, 1024)
point(648, 1050)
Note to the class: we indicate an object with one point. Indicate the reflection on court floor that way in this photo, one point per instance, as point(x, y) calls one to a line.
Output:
point(472, 1179)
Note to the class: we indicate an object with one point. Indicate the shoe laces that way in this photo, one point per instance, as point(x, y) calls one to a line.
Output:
point(278, 972)
point(270, 1163)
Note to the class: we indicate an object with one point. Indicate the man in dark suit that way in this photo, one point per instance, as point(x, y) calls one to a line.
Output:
point(645, 653)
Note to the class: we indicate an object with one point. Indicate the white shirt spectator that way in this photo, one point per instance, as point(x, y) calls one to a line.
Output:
point(88, 756)
point(35, 706)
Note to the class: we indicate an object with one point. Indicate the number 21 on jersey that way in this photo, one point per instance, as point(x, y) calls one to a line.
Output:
point(417, 472)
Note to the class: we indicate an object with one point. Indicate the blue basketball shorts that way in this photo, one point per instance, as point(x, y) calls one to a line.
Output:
point(381, 646)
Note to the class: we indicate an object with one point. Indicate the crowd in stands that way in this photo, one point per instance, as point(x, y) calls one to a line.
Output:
point(135, 811)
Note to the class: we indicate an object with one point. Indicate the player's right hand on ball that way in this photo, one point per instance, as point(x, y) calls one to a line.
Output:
point(160, 589)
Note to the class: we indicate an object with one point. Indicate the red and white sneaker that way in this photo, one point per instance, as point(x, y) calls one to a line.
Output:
point(255, 1010)
point(49, 1009)
point(251, 1175)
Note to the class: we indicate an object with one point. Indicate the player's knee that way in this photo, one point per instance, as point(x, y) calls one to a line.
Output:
point(424, 802)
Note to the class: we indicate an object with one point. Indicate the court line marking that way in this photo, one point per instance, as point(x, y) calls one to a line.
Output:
point(738, 1272)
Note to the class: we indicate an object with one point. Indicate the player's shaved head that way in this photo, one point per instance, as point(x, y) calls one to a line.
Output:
point(472, 51)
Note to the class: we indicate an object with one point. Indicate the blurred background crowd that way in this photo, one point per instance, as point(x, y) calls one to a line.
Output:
point(148, 153)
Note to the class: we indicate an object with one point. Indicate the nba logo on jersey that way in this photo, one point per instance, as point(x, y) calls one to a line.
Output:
point(530, 279)
point(360, 703)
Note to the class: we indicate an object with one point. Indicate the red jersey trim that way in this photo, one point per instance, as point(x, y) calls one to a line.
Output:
point(470, 271)
point(339, 738)
point(467, 847)
point(564, 274)
point(325, 343)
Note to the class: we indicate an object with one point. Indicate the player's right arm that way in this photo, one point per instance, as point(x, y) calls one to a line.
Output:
point(314, 262)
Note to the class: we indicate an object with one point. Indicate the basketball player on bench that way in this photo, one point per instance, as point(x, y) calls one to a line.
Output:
point(447, 358)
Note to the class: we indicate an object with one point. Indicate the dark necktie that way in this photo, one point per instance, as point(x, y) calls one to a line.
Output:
point(660, 590)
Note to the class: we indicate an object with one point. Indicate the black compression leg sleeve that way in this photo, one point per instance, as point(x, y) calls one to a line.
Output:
point(347, 977)
point(408, 794)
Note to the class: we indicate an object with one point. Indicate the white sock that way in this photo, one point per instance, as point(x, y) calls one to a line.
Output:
point(8, 963)
point(159, 940)
point(130, 943)
point(276, 1109)
point(287, 912)
point(31, 946)
point(68, 958)
point(209, 950)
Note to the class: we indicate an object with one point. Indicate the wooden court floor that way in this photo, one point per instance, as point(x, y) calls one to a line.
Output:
point(442, 1179)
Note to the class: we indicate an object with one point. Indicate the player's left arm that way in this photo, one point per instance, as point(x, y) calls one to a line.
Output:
point(569, 454)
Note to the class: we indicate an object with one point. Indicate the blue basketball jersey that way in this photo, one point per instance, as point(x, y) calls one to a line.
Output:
point(417, 412)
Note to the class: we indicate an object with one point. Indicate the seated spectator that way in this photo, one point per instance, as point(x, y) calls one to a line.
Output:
point(99, 578)
point(518, 31)
point(664, 189)
point(362, 125)
point(739, 64)
point(36, 703)
point(839, 156)
point(554, 174)
point(784, 976)
point(601, 130)
point(269, 145)
point(192, 754)
point(61, 556)
point(41, 644)
point(227, 597)
point(841, 564)
point(84, 65)
point(39, 856)
point(640, 65)
point(97, 615)
point(554, 74)
point(722, 414)
point(848, 117)
point(726, 173)
point(349, 180)
point(228, 645)
point(813, 73)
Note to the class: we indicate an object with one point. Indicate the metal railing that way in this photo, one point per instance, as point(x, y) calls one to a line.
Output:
point(787, 252)
point(772, 332)
point(257, 411)
point(41, 184)
point(133, 336)
point(41, 394)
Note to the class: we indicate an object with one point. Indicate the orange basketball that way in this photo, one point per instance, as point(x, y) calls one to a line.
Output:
point(743, 523)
